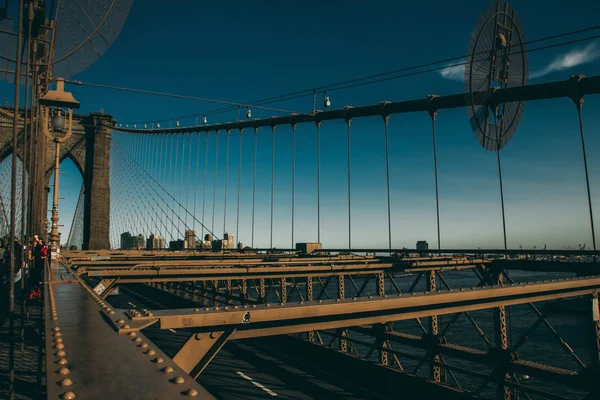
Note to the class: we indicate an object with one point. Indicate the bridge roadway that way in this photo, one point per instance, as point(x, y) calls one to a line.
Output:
point(213, 329)
point(102, 364)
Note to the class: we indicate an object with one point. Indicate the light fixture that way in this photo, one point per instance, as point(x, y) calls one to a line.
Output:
point(55, 127)
point(158, 125)
point(145, 126)
point(204, 119)
point(327, 103)
point(248, 114)
point(177, 124)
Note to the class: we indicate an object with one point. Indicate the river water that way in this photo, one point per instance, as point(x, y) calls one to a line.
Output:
point(570, 321)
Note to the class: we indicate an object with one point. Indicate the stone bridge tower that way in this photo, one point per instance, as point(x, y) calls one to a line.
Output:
point(89, 149)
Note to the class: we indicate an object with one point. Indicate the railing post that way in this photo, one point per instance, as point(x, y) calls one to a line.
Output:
point(262, 290)
point(501, 338)
point(284, 290)
point(309, 297)
point(595, 346)
point(436, 373)
point(341, 295)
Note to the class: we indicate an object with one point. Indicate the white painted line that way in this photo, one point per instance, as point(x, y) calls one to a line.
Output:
point(173, 330)
point(131, 304)
point(244, 376)
point(272, 393)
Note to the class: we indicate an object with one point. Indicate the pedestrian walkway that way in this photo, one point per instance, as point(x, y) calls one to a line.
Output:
point(30, 377)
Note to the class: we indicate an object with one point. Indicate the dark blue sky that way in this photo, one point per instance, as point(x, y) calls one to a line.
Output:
point(242, 51)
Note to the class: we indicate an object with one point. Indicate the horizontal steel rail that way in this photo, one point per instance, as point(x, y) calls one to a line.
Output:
point(268, 319)
point(574, 87)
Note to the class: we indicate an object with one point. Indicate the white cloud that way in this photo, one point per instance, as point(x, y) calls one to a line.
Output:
point(573, 58)
point(453, 72)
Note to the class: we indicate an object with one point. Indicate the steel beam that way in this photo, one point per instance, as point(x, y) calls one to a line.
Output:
point(270, 319)
point(576, 85)
point(199, 350)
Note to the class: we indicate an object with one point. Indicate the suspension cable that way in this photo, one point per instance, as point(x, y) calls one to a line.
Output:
point(293, 178)
point(254, 185)
point(196, 180)
point(205, 178)
point(215, 179)
point(319, 182)
point(348, 123)
point(141, 172)
point(387, 174)
point(226, 182)
point(237, 224)
point(272, 181)
point(169, 195)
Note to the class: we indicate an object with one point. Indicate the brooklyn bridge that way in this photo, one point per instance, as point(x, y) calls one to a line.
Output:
point(294, 246)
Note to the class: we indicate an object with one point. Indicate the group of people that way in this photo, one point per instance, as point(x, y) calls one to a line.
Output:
point(31, 271)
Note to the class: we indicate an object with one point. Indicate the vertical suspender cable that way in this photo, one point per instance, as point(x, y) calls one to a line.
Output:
point(187, 186)
point(164, 182)
point(587, 179)
point(170, 184)
point(205, 176)
point(154, 165)
point(226, 181)
point(212, 228)
point(178, 174)
point(32, 160)
point(501, 193)
point(24, 192)
point(387, 174)
point(181, 180)
point(293, 178)
point(146, 167)
point(319, 182)
point(237, 224)
point(348, 123)
point(272, 181)
point(196, 181)
point(254, 185)
point(435, 167)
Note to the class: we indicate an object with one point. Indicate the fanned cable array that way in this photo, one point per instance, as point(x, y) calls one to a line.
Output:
point(5, 201)
point(151, 201)
point(75, 240)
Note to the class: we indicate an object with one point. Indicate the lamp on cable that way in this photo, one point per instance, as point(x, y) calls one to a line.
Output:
point(248, 113)
point(204, 120)
point(177, 124)
point(326, 102)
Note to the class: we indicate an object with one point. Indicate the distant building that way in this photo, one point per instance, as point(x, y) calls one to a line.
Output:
point(126, 240)
point(422, 245)
point(228, 241)
point(132, 242)
point(422, 248)
point(176, 244)
point(155, 242)
point(190, 241)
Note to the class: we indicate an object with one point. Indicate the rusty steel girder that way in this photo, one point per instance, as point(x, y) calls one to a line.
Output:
point(275, 319)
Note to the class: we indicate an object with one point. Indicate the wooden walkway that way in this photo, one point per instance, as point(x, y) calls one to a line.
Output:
point(30, 376)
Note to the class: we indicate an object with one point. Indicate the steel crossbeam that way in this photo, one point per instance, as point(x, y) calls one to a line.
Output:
point(275, 319)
